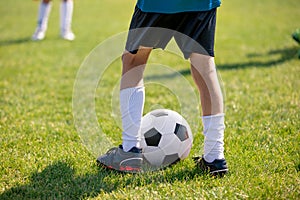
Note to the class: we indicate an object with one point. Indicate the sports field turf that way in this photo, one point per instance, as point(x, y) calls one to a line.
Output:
point(42, 153)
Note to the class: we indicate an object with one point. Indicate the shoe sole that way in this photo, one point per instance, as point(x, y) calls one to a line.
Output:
point(219, 173)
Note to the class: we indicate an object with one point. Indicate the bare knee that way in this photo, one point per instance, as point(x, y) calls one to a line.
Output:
point(202, 62)
point(131, 61)
point(133, 68)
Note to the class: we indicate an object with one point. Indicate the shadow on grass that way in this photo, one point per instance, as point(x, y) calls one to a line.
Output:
point(59, 181)
point(16, 41)
point(283, 55)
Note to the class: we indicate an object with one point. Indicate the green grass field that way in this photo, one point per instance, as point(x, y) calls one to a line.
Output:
point(43, 157)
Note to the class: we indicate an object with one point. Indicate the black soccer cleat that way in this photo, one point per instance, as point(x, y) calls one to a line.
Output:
point(216, 168)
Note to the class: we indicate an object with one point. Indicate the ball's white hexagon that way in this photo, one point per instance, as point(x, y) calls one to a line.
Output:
point(164, 124)
point(170, 159)
point(155, 158)
point(147, 122)
point(150, 149)
point(185, 149)
point(170, 144)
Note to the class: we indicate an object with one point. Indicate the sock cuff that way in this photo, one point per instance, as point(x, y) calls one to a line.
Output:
point(128, 93)
point(213, 123)
point(213, 116)
point(132, 88)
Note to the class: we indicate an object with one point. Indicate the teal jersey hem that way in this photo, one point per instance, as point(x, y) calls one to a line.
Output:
point(176, 6)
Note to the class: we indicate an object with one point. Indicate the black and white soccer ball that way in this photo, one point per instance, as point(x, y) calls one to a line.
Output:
point(166, 138)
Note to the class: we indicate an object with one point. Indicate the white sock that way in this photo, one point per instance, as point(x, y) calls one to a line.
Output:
point(131, 105)
point(44, 12)
point(213, 137)
point(66, 13)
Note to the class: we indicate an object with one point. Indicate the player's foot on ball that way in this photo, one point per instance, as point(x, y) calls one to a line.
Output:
point(117, 159)
point(216, 168)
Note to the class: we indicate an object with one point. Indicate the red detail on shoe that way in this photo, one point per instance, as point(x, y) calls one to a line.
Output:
point(129, 168)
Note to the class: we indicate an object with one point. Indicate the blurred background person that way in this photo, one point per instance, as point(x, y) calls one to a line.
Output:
point(66, 13)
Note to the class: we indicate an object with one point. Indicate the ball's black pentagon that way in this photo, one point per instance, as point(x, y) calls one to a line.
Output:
point(170, 160)
point(152, 137)
point(181, 132)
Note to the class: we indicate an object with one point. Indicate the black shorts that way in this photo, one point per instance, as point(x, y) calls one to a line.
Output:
point(194, 32)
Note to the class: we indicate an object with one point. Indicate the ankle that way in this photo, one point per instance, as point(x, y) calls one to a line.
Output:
point(132, 149)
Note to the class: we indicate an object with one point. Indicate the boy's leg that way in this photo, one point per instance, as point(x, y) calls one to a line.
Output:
point(132, 95)
point(205, 76)
point(128, 156)
point(43, 16)
point(66, 14)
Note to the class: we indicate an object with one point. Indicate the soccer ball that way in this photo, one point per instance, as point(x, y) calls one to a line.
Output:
point(166, 138)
